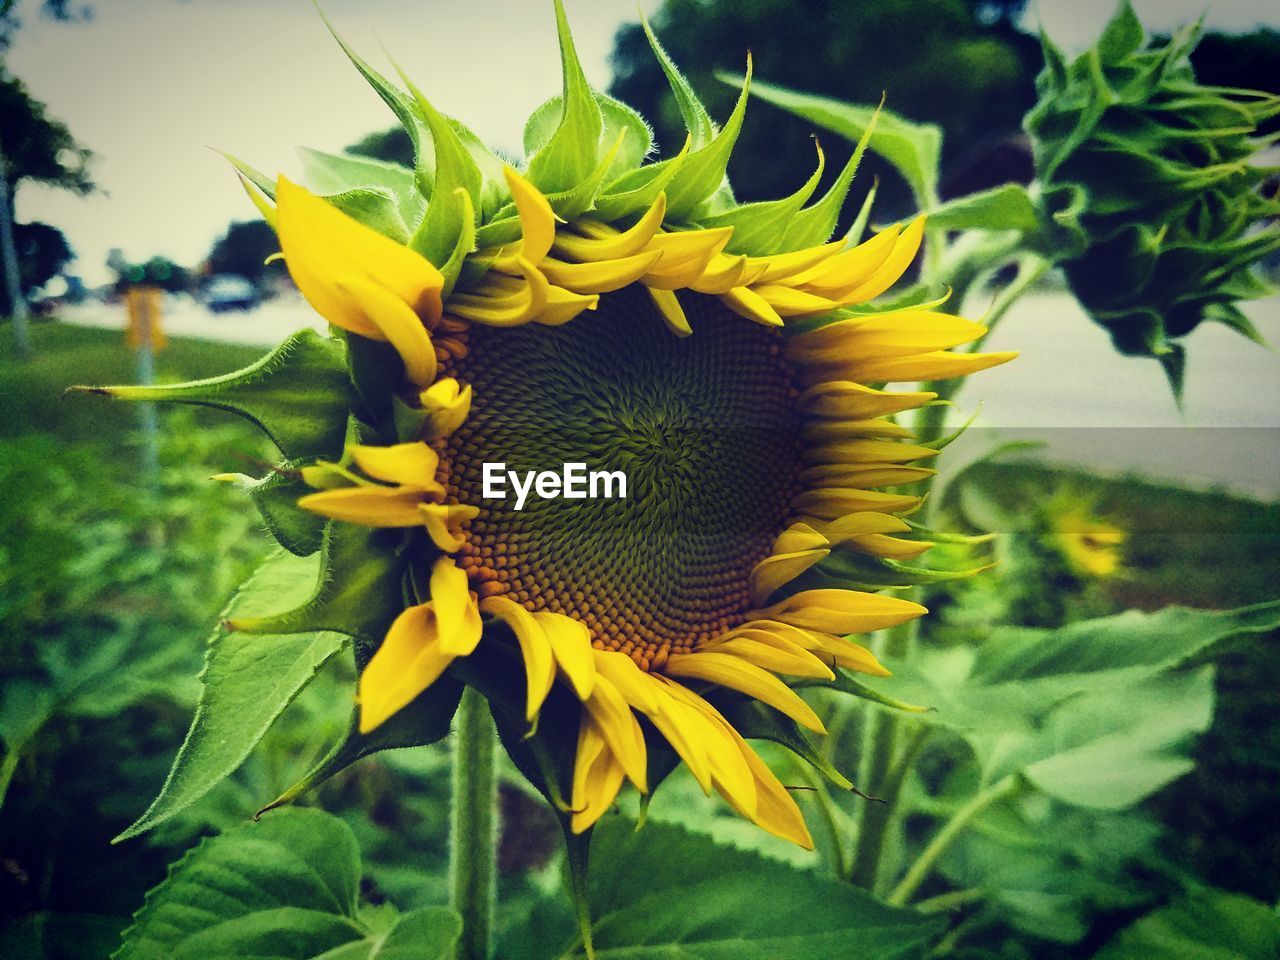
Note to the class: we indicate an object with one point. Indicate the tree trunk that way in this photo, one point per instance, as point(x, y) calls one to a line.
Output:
point(9, 260)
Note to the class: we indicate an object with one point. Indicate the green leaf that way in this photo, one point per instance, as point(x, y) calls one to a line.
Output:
point(1205, 925)
point(356, 592)
point(298, 395)
point(913, 149)
point(276, 496)
point(425, 721)
point(1026, 695)
point(696, 119)
point(437, 235)
point(1108, 751)
point(247, 683)
point(1007, 207)
point(334, 173)
point(815, 224)
point(703, 171)
point(571, 154)
point(286, 886)
point(760, 228)
point(617, 116)
point(735, 905)
point(376, 209)
point(402, 106)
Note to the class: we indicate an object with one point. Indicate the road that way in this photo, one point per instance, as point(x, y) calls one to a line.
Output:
point(1068, 389)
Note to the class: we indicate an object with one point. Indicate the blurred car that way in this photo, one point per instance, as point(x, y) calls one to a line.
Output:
point(229, 291)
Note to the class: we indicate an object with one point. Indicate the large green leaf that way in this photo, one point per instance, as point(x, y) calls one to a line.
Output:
point(1017, 676)
point(298, 395)
point(328, 173)
point(914, 149)
point(663, 893)
point(1109, 751)
point(1207, 925)
point(247, 680)
point(285, 887)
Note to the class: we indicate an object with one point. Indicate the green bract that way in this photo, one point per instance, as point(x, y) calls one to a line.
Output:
point(1147, 178)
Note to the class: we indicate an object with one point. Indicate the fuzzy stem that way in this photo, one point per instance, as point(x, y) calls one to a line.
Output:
point(945, 837)
point(879, 753)
point(473, 824)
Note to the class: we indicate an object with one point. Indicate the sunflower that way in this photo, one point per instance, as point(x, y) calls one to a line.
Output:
point(591, 304)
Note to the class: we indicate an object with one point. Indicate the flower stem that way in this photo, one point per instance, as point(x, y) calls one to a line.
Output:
point(945, 837)
point(878, 755)
point(473, 825)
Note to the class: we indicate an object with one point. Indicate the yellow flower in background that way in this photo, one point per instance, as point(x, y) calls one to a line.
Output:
point(1092, 546)
point(593, 305)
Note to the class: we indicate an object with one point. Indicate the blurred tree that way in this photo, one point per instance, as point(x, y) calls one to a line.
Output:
point(393, 146)
point(33, 146)
point(42, 253)
point(157, 272)
point(244, 248)
point(911, 50)
point(65, 10)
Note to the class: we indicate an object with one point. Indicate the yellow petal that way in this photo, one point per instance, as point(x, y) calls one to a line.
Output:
point(603, 242)
point(729, 770)
point(899, 333)
point(776, 571)
point(891, 548)
point(729, 671)
point(781, 266)
point(839, 399)
point(863, 475)
point(926, 366)
point(320, 243)
point(563, 305)
point(370, 506)
point(722, 275)
point(502, 301)
point(849, 268)
point(860, 524)
point(398, 324)
point(787, 302)
point(443, 522)
point(685, 256)
point(597, 777)
point(772, 657)
point(904, 251)
point(409, 464)
point(672, 313)
point(408, 661)
point(849, 429)
point(446, 405)
point(537, 220)
point(599, 276)
point(828, 503)
point(746, 303)
point(457, 619)
point(539, 661)
point(851, 656)
point(843, 612)
point(867, 451)
point(775, 810)
point(621, 730)
point(571, 644)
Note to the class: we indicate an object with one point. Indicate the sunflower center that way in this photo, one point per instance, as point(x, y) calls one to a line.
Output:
point(703, 427)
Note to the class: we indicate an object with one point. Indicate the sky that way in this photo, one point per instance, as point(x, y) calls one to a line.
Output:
point(151, 85)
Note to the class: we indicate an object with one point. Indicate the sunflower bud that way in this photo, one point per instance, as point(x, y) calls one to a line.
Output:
point(1147, 176)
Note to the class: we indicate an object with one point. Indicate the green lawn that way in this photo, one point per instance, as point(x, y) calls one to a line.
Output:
point(32, 396)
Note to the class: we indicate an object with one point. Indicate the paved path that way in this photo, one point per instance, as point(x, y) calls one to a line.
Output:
point(1069, 389)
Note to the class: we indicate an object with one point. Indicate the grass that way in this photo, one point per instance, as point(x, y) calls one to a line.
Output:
point(32, 392)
